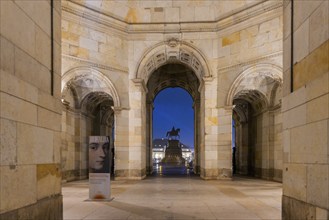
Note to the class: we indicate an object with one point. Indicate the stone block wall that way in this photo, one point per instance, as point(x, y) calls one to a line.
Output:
point(247, 48)
point(224, 140)
point(30, 171)
point(305, 111)
point(101, 49)
point(276, 145)
point(268, 145)
point(254, 41)
point(74, 135)
point(169, 10)
point(91, 43)
point(120, 42)
point(259, 140)
point(259, 145)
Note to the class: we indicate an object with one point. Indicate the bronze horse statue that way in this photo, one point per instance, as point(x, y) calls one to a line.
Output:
point(173, 133)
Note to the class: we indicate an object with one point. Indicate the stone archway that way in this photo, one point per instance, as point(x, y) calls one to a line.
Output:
point(214, 162)
point(90, 100)
point(261, 77)
point(83, 80)
point(173, 75)
point(256, 99)
point(172, 51)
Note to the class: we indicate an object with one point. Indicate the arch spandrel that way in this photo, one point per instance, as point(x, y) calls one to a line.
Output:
point(263, 78)
point(85, 80)
point(172, 51)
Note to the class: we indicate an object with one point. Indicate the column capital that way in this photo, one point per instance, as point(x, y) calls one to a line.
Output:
point(226, 107)
point(117, 110)
point(208, 79)
point(140, 83)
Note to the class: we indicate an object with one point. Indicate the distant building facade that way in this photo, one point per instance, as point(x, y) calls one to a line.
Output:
point(159, 149)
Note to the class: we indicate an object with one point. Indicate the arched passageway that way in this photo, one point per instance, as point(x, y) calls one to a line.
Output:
point(98, 110)
point(251, 129)
point(256, 99)
point(173, 110)
point(177, 63)
point(89, 100)
point(169, 76)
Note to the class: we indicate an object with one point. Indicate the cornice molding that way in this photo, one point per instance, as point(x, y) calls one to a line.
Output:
point(248, 13)
point(251, 21)
point(75, 12)
point(110, 21)
point(118, 110)
point(93, 64)
point(249, 62)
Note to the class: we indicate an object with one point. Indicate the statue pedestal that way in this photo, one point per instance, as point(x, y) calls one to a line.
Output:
point(173, 155)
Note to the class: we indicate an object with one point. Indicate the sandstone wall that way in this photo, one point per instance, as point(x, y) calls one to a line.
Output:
point(30, 171)
point(305, 111)
point(169, 10)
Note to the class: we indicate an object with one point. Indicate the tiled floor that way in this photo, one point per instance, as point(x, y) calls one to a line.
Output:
point(185, 197)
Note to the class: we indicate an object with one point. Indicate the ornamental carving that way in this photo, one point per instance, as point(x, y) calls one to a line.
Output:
point(172, 42)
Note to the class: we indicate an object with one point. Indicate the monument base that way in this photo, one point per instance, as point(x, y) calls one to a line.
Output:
point(173, 155)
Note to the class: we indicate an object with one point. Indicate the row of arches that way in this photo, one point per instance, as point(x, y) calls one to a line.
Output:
point(94, 102)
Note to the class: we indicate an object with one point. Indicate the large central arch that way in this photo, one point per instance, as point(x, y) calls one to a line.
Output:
point(172, 51)
point(173, 75)
point(175, 63)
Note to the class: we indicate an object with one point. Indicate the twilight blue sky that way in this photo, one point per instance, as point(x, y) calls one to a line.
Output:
point(173, 107)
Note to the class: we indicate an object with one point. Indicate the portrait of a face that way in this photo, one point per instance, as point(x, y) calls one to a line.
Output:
point(98, 155)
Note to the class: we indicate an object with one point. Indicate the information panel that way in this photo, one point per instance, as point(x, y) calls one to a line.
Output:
point(99, 186)
point(99, 168)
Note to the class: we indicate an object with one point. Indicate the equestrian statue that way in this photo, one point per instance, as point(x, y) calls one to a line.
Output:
point(173, 154)
point(173, 133)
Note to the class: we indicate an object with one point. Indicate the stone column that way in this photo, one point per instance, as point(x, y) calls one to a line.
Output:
point(243, 148)
point(209, 125)
point(262, 146)
point(121, 143)
point(196, 162)
point(107, 130)
point(271, 142)
point(216, 155)
point(132, 144)
point(149, 137)
point(225, 142)
point(83, 128)
point(277, 144)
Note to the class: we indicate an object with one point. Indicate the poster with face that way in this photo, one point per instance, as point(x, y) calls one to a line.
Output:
point(99, 168)
point(98, 150)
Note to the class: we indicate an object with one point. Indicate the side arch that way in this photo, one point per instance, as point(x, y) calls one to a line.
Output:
point(84, 80)
point(265, 78)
